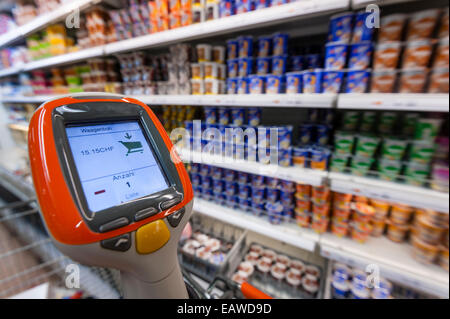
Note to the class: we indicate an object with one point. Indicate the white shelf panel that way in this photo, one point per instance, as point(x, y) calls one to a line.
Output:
point(295, 174)
point(67, 58)
point(288, 233)
point(358, 4)
point(249, 20)
point(44, 20)
point(244, 100)
point(390, 191)
point(395, 262)
point(9, 71)
point(395, 101)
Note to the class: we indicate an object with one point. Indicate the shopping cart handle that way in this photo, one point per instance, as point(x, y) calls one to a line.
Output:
point(251, 292)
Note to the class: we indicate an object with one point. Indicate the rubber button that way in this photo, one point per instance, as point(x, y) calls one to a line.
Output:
point(171, 202)
point(151, 237)
point(117, 223)
point(119, 243)
point(175, 218)
point(142, 214)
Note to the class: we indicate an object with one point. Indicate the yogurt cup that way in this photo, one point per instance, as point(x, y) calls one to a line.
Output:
point(279, 64)
point(294, 82)
point(389, 170)
point(252, 257)
point(401, 214)
point(343, 142)
point(381, 208)
point(332, 81)
point(391, 27)
point(383, 81)
point(312, 81)
point(378, 227)
point(339, 163)
point(357, 81)
point(439, 80)
point(239, 277)
point(350, 120)
point(339, 229)
point(361, 32)
point(413, 80)
point(423, 252)
point(335, 55)
point(417, 54)
point(264, 46)
point(360, 166)
point(422, 24)
point(417, 174)
point(310, 284)
point(422, 152)
point(427, 129)
point(387, 55)
point(387, 122)
point(360, 55)
point(340, 290)
point(340, 28)
point(366, 145)
point(393, 148)
point(303, 191)
point(396, 232)
point(293, 278)
point(427, 232)
point(441, 59)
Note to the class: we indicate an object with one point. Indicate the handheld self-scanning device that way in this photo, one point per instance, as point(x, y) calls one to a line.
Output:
point(111, 192)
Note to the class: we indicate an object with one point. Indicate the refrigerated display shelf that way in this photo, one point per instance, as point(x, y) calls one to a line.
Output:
point(44, 20)
point(395, 262)
point(289, 233)
point(245, 100)
point(394, 102)
point(419, 197)
point(246, 21)
point(295, 174)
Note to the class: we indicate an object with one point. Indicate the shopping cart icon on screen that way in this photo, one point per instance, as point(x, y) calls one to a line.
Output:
point(132, 147)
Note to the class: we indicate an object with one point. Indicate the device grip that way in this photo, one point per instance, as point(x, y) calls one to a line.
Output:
point(251, 292)
point(171, 287)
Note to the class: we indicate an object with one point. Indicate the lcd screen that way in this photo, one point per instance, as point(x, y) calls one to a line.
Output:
point(115, 163)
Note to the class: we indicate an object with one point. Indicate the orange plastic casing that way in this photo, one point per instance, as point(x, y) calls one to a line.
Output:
point(62, 218)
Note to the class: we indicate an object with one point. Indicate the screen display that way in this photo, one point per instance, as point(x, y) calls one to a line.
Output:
point(115, 163)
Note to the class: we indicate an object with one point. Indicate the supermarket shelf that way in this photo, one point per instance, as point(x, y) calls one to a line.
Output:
point(395, 102)
point(67, 58)
point(241, 100)
point(246, 21)
point(9, 71)
point(44, 20)
point(288, 233)
point(390, 191)
point(295, 174)
point(249, 20)
point(244, 100)
point(395, 262)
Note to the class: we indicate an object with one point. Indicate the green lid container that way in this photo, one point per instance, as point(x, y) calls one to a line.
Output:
point(344, 142)
point(367, 145)
point(387, 122)
point(427, 129)
point(339, 163)
point(393, 148)
point(360, 166)
point(389, 170)
point(422, 152)
point(350, 120)
point(368, 121)
point(417, 174)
